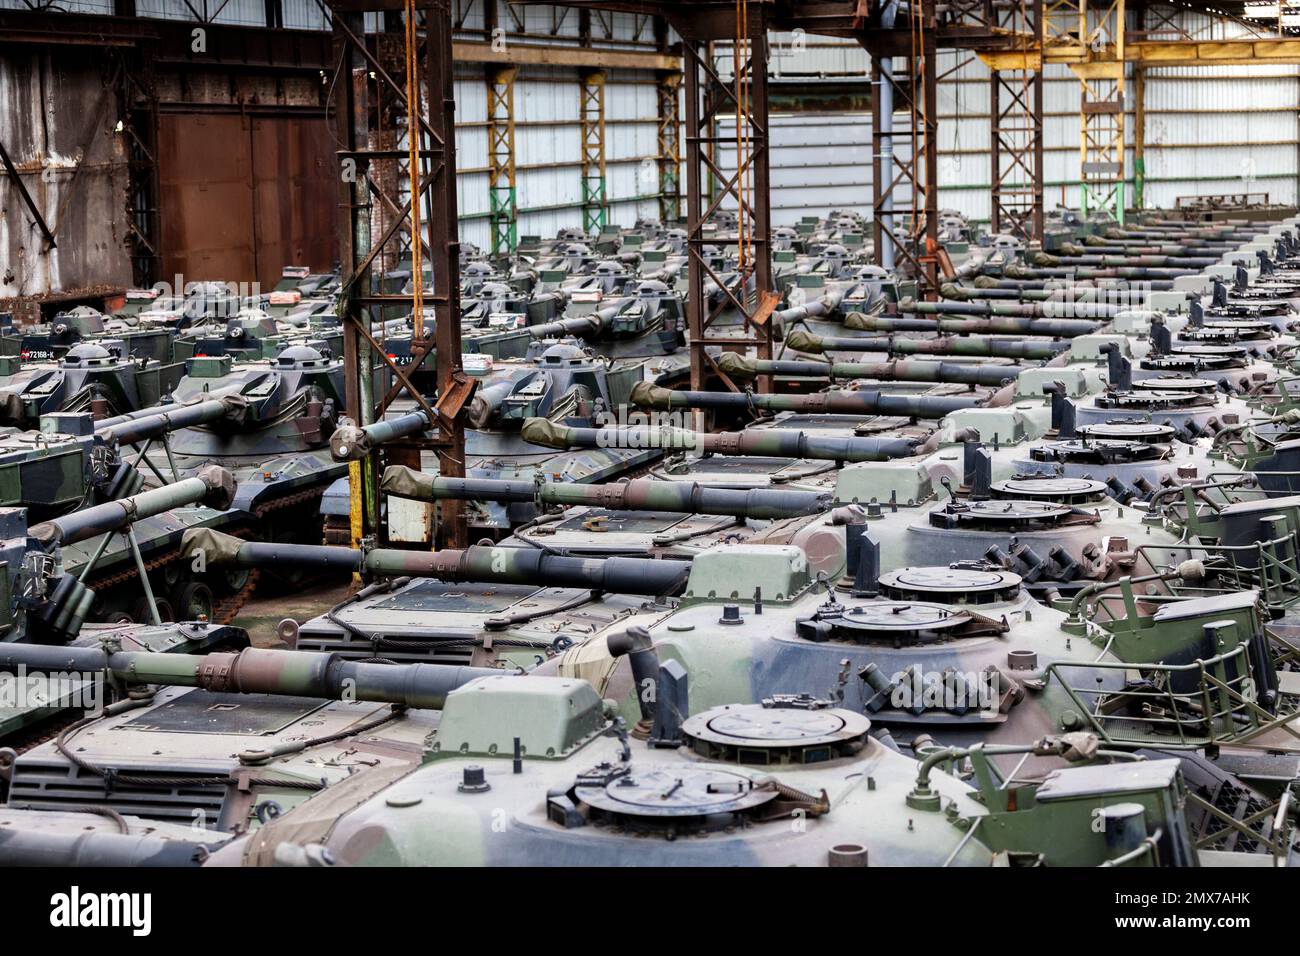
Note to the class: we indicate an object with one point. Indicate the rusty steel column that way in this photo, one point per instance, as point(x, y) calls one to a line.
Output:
point(743, 298)
point(429, 108)
point(1016, 125)
point(905, 148)
point(454, 387)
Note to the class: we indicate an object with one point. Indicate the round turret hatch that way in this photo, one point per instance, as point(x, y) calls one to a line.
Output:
point(783, 730)
point(955, 584)
point(689, 792)
point(1128, 431)
point(1097, 452)
point(1220, 332)
point(1236, 352)
point(1175, 383)
point(1055, 489)
point(895, 616)
point(1189, 363)
point(1011, 510)
point(1150, 399)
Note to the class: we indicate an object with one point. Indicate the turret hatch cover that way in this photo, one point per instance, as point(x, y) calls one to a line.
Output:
point(1211, 351)
point(1150, 399)
point(1174, 383)
point(1180, 360)
point(679, 792)
point(896, 622)
point(1128, 431)
point(955, 583)
point(1012, 510)
point(771, 733)
point(1101, 451)
point(1060, 490)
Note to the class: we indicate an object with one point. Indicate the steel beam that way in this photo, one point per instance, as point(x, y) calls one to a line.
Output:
point(739, 315)
point(1016, 127)
point(367, 227)
point(502, 186)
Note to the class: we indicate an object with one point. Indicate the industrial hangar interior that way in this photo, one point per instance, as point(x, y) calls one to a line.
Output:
point(745, 433)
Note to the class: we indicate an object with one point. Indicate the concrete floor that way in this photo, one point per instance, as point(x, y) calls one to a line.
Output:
point(272, 603)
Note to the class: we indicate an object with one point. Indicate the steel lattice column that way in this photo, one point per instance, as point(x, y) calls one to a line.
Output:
point(1016, 124)
point(742, 299)
point(1094, 39)
point(594, 209)
point(502, 194)
point(429, 109)
point(669, 154)
point(905, 182)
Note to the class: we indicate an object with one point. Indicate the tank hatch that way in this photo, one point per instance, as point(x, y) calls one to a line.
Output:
point(962, 583)
point(1173, 383)
point(205, 712)
point(1008, 516)
point(1132, 431)
point(1235, 353)
point(668, 802)
point(1228, 332)
point(436, 596)
point(1182, 362)
point(781, 730)
point(1099, 452)
point(1065, 491)
point(1150, 400)
point(894, 622)
point(621, 522)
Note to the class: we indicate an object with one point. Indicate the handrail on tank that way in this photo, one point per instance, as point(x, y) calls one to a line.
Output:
point(1218, 701)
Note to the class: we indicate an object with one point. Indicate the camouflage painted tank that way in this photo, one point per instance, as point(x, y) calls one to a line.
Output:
point(90, 377)
point(565, 386)
point(574, 786)
point(270, 426)
point(255, 334)
point(50, 341)
point(69, 471)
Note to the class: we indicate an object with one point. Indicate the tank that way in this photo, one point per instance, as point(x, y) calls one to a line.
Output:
point(90, 377)
point(577, 787)
point(267, 422)
point(565, 387)
point(49, 341)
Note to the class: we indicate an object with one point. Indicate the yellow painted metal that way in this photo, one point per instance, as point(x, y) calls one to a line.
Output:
point(1012, 60)
point(355, 509)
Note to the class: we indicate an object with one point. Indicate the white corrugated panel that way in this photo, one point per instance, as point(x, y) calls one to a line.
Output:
point(304, 15)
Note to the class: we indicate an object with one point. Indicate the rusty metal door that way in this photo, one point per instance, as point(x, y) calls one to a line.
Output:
point(243, 196)
point(207, 197)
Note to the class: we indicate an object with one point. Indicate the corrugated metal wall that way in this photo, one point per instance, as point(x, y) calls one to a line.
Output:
point(57, 125)
point(1220, 129)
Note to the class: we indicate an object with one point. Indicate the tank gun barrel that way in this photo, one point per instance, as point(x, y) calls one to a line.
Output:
point(351, 442)
point(1031, 310)
point(583, 327)
point(817, 308)
point(20, 847)
point(863, 402)
point(211, 486)
point(639, 494)
point(895, 370)
point(802, 340)
point(991, 325)
point(762, 443)
point(486, 565)
point(1181, 263)
point(130, 430)
point(256, 671)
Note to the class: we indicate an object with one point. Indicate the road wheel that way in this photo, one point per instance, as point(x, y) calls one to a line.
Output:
point(194, 602)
